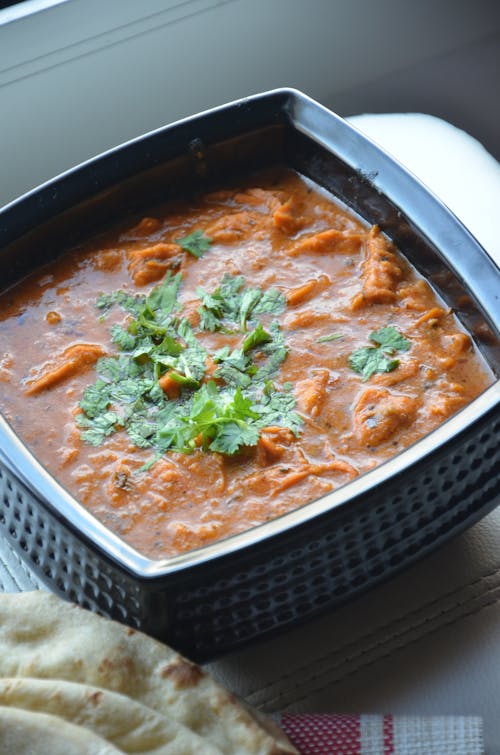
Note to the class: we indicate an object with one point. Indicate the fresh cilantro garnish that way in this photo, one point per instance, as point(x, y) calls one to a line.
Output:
point(234, 366)
point(255, 338)
point(164, 296)
point(97, 428)
point(390, 340)
point(156, 342)
point(125, 340)
point(128, 302)
point(232, 303)
point(196, 243)
point(369, 360)
point(95, 399)
point(278, 409)
point(329, 337)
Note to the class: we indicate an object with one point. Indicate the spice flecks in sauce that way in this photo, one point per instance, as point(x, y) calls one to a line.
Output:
point(343, 285)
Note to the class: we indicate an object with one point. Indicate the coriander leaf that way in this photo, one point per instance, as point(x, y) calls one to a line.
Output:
point(184, 380)
point(128, 302)
point(196, 243)
point(330, 337)
point(277, 408)
point(164, 296)
point(233, 303)
point(255, 338)
point(272, 301)
point(234, 435)
point(114, 369)
point(273, 364)
point(242, 406)
point(95, 399)
point(390, 340)
point(141, 431)
point(233, 376)
point(368, 360)
point(237, 359)
point(233, 366)
point(230, 285)
point(129, 390)
point(208, 320)
point(193, 361)
point(249, 299)
point(169, 346)
point(125, 340)
point(97, 428)
point(221, 354)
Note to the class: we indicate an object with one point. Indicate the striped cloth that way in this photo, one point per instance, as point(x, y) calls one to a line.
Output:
point(322, 734)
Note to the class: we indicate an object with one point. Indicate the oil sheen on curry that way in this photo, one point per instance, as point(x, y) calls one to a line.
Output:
point(224, 360)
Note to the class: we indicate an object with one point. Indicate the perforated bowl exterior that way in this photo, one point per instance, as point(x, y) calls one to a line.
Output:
point(307, 562)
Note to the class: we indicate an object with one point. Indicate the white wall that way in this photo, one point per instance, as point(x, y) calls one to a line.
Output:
point(85, 75)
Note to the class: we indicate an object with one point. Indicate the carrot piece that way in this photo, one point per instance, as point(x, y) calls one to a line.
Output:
point(169, 386)
point(73, 360)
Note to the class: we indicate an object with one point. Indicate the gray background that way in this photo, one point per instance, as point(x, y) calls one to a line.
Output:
point(85, 75)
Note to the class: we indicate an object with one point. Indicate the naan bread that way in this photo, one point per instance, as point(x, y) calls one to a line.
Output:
point(25, 733)
point(124, 723)
point(42, 636)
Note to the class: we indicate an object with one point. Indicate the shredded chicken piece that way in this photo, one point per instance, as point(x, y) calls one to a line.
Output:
point(272, 444)
point(311, 392)
point(380, 273)
point(73, 360)
point(405, 371)
point(233, 227)
point(329, 242)
point(379, 414)
point(289, 217)
point(307, 290)
point(431, 317)
point(457, 343)
point(151, 263)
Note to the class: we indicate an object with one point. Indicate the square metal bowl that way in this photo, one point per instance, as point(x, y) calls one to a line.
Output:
point(324, 553)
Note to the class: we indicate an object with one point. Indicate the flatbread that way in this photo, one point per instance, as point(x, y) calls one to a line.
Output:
point(128, 725)
point(26, 733)
point(42, 636)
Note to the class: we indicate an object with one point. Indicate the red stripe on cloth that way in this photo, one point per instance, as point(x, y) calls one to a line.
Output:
point(315, 734)
point(388, 734)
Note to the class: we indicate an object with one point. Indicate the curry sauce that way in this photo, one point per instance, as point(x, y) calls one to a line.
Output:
point(294, 347)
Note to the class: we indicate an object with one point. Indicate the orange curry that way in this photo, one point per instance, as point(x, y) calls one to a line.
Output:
point(226, 359)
